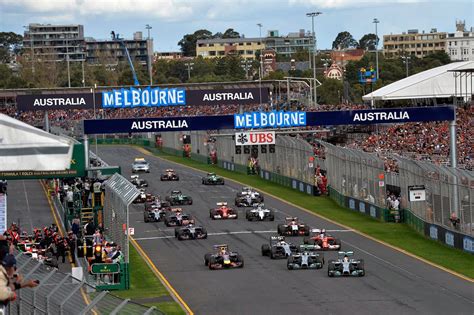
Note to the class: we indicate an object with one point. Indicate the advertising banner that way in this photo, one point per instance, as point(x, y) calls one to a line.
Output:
point(254, 138)
point(380, 116)
point(157, 97)
point(56, 101)
point(227, 96)
point(274, 119)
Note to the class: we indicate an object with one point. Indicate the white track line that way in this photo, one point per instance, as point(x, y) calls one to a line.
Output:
point(221, 233)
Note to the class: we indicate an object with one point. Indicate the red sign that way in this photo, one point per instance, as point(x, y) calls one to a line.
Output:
point(254, 138)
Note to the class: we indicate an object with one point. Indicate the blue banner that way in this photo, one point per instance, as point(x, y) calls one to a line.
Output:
point(147, 97)
point(270, 119)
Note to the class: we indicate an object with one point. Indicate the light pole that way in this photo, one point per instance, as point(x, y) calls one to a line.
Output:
point(313, 35)
point(148, 27)
point(376, 21)
point(189, 65)
point(246, 65)
point(406, 59)
point(261, 65)
point(67, 61)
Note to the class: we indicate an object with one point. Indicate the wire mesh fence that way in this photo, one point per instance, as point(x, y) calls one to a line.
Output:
point(119, 194)
point(61, 294)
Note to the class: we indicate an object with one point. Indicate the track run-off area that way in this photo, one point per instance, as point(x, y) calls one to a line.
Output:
point(394, 283)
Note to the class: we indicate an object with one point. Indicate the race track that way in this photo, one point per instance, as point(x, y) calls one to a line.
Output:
point(394, 283)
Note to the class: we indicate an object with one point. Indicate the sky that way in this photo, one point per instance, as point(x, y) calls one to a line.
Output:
point(171, 19)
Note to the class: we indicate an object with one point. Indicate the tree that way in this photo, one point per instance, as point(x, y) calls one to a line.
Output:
point(330, 91)
point(10, 43)
point(230, 33)
point(368, 42)
point(344, 40)
point(188, 42)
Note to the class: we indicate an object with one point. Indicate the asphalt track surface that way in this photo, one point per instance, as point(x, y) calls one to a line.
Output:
point(394, 283)
point(27, 205)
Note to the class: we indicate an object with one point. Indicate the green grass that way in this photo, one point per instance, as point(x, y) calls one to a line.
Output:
point(145, 284)
point(399, 235)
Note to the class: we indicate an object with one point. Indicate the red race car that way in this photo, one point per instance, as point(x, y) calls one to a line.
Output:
point(223, 212)
point(293, 227)
point(322, 240)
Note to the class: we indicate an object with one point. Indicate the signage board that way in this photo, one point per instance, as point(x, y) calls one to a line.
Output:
point(77, 168)
point(131, 231)
point(417, 193)
point(158, 97)
point(255, 138)
point(45, 102)
point(274, 119)
point(258, 120)
point(105, 268)
point(227, 96)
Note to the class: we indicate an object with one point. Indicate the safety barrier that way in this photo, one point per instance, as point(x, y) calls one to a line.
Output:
point(358, 181)
point(60, 293)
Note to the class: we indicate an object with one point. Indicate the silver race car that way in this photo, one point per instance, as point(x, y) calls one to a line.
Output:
point(306, 258)
point(278, 248)
point(346, 265)
point(190, 232)
point(260, 213)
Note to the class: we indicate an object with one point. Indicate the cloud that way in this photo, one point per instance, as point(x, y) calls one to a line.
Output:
point(339, 4)
point(169, 10)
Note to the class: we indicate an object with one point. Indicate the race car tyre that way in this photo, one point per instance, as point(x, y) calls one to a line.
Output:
point(180, 236)
point(212, 261)
point(241, 259)
point(265, 249)
point(176, 232)
point(206, 259)
point(271, 216)
point(222, 183)
point(361, 267)
point(272, 254)
point(338, 242)
point(247, 214)
point(190, 202)
point(331, 268)
point(177, 178)
point(281, 229)
point(306, 230)
point(146, 220)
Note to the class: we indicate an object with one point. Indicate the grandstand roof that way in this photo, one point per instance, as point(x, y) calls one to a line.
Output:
point(25, 148)
point(438, 82)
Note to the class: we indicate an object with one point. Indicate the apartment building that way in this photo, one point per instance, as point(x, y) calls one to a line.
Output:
point(220, 47)
point(414, 43)
point(111, 50)
point(49, 42)
point(460, 44)
point(288, 45)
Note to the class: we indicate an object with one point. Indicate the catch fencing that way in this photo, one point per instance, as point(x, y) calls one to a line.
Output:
point(357, 179)
point(61, 294)
point(119, 194)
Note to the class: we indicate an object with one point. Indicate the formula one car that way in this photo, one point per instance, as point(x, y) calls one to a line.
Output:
point(190, 232)
point(169, 175)
point(177, 218)
point(222, 258)
point(141, 198)
point(223, 212)
point(154, 214)
point(306, 258)
point(260, 213)
point(322, 240)
point(140, 165)
point(177, 198)
point(278, 248)
point(248, 198)
point(293, 227)
point(138, 182)
point(345, 265)
point(212, 179)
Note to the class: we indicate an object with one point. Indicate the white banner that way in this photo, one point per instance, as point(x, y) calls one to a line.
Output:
point(255, 138)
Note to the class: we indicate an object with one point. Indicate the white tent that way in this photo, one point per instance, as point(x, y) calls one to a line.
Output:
point(438, 82)
point(26, 148)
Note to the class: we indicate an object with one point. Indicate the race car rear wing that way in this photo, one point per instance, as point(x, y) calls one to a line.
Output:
point(348, 254)
point(134, 177)
point(221, 203)
point(315, 230)
point(277, 238)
